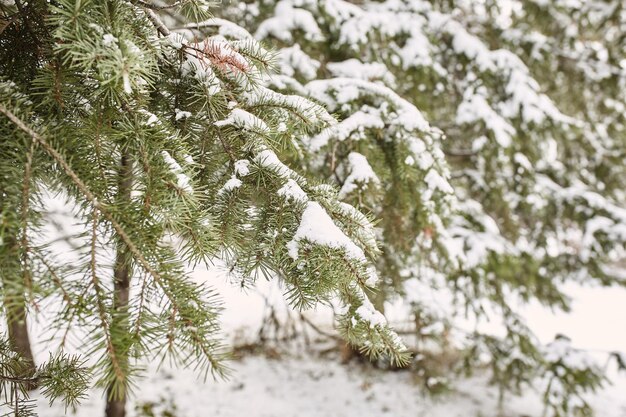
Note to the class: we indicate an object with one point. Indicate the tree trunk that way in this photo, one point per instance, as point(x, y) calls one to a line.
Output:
point(116, 402)
point(115, 407)
point(18, 333)
point(15, 309)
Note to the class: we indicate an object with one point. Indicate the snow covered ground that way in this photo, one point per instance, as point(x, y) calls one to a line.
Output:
point(310, 387)
point(306, 382)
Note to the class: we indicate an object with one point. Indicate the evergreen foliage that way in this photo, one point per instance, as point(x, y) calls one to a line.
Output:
point(473, 161)
point(62, 377)
point(169, 147)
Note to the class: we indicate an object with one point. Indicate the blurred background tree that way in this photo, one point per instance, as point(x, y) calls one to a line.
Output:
point(487, 140)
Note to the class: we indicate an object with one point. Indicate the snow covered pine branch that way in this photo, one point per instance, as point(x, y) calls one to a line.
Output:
point(172, 150)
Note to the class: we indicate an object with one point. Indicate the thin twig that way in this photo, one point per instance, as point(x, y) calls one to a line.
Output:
point(157, 22)
point(317, 329)
point(157, 7)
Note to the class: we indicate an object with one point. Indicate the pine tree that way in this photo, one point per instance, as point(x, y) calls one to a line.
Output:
point(169, 147)
point(522, 196)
